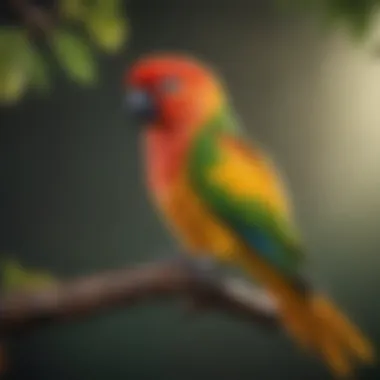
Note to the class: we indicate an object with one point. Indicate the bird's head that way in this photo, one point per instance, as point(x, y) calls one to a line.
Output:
point(172, 91)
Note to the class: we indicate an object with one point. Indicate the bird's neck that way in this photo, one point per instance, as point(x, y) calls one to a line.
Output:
point(166, 149)
point(165, 154)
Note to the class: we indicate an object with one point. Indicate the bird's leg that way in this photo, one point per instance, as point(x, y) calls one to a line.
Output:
point(202, 270)
point(201, 267)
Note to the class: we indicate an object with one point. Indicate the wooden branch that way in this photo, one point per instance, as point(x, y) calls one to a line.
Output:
point(38, 20)
point(70, 300)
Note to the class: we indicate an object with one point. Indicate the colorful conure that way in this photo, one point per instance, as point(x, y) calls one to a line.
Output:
point(222, 196)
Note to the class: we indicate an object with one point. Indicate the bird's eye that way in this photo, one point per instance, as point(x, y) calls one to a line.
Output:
point(170, 85)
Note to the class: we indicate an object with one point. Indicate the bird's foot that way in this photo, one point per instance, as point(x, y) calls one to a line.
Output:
point(203, 268)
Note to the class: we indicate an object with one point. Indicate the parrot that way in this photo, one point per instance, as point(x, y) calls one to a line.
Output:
point(221, 196)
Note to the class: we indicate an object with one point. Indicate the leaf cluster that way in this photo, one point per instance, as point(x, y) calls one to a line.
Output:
point(81, 29)
point(355, 15)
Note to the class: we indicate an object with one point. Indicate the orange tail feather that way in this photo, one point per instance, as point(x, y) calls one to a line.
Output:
point(321, 327)
point(313, 321)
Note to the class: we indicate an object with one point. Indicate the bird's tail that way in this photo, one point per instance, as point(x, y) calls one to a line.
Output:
point(314, 321)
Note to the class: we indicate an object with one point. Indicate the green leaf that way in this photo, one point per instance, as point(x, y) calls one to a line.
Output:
point(75, 57)
point(108, 7)
point(109, 33)
point(359, 26)
point(106, 25)
point(14, 73)
point(356, 15)
point(13, 83)
point(360, 17)
point(71, 9)
point(15, 277)
point(39, 71)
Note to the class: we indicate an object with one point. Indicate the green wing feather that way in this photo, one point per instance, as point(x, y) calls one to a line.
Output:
point(267, 229)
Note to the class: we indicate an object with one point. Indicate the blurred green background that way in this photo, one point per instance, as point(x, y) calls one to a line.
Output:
point(73, 200)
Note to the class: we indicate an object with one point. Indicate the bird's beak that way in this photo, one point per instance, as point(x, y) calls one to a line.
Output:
point(141, 105)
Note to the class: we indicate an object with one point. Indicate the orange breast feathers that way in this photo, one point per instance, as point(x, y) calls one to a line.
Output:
point(184, 214)
point(165, 156)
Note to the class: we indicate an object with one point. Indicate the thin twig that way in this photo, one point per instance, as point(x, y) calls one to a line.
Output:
point(37, 19)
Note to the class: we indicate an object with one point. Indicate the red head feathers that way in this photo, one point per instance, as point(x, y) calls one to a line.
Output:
point(173, 91)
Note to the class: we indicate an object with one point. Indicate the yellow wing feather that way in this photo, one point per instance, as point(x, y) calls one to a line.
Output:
point(253, 175)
